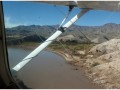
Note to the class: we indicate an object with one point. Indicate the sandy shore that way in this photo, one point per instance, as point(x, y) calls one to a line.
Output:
point(93, 69)
point(78, 63)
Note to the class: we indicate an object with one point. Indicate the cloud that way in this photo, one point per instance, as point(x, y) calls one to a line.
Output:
point(9, 23)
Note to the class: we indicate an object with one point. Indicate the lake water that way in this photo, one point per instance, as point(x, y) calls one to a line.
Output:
point(48, 70)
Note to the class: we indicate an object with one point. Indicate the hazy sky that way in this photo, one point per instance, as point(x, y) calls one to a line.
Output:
point(29, 13)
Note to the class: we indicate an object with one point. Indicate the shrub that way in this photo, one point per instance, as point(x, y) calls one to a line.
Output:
point(95, 64)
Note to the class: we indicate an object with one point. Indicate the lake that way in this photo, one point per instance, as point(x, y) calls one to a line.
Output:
point(48, 70)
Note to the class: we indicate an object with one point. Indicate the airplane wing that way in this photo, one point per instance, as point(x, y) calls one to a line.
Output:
point(97, 5)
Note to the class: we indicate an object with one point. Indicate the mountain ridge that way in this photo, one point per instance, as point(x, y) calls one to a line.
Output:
point(96, 34)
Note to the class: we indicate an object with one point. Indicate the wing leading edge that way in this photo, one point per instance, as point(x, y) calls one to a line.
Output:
point(97, 5)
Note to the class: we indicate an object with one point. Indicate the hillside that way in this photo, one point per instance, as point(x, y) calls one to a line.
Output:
point(107, 71)
point(97, 34)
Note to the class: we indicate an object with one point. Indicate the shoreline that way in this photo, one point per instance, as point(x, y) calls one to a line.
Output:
point(77, 64)
point(75, 61)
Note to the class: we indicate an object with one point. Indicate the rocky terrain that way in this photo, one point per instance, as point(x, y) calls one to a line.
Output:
point(101, 63)
point(95, 34)
point(107, 55)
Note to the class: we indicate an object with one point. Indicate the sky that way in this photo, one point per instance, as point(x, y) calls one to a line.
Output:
point(31, 13)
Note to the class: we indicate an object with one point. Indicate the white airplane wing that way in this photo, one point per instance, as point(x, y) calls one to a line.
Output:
point(97, 5)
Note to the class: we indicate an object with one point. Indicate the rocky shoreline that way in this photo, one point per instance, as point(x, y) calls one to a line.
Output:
point(78, 63)
point(101, 63)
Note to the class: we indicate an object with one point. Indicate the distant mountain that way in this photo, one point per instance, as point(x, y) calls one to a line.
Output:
point(44, 31)
point(95, 34)
point(31, 38)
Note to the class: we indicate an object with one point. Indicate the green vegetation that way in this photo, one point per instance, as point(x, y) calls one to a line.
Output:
point(95, 64)
point(30, 44)
point(70, 46)
point(56, 47)
point(27, 45)
point(81, 46)
point(73, 48)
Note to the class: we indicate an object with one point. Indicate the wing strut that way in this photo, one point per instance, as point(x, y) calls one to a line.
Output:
point(70, 10)
point(59, 31)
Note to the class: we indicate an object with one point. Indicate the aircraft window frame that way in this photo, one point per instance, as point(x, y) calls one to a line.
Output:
point(5, 75)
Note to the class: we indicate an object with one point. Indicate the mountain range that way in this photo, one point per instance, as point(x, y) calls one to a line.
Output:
point(81, 34)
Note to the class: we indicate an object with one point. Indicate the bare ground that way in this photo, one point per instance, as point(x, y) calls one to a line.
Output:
point(101, 63)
